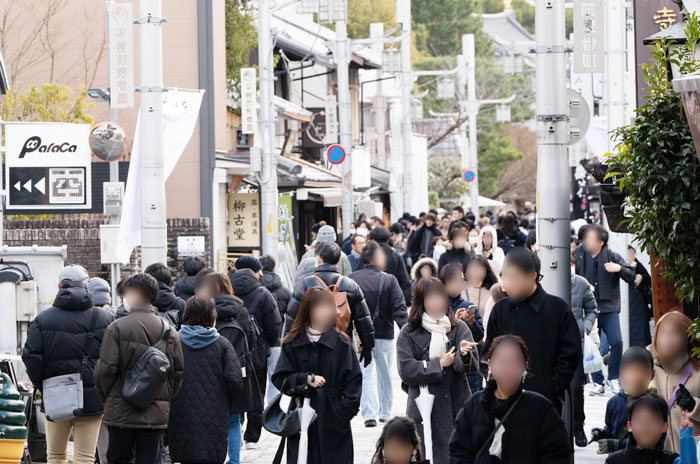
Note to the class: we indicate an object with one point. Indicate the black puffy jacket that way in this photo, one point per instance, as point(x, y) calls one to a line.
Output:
point(356, 299)
point(168, 306)
point(184, 287)
point(57, 337)
point(199, 414)
point(273, 283)
point(230, 308)
point(391, 307)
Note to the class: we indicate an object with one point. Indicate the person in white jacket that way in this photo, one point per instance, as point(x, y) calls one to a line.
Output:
point(488, 247)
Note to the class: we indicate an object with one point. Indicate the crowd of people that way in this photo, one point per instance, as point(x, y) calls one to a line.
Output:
point(192, 370)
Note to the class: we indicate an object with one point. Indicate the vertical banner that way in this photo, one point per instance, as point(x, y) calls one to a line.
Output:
point(589, 36)
point(331, 120)
point(249, 112)
point(121, 55)
point(284, 226)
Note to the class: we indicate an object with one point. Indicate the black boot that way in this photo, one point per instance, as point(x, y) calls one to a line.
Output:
point(580, 437)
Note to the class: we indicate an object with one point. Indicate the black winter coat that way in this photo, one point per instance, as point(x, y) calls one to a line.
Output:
point(454, 255)
point(356, 299)
point(549, 330)
point(396, 266)
point(230, 308)
point(199, 414)
point(533, 432)
point(56, 340)
point(336, 403)
point(633, 455)
point(168, 306)
point(184, 287)
point(421, 242)
point(606, 284)
point(391, 307)
point(273, 282)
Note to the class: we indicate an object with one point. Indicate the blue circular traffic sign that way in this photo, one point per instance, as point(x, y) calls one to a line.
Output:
point(335, 154)
point(469, 175)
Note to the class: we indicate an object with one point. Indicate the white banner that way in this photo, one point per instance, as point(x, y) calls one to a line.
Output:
point(249, 110)
point(180, 112)
point(121, 55)
point(331, 120)
point(589, 36)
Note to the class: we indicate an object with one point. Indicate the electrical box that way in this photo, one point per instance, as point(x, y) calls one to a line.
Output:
point(26, 300)
point(112, 197)
point(109, 233)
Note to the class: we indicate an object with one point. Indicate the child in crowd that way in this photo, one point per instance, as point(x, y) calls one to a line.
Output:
point(636, 373)
point(399, 443)
point(647, 422)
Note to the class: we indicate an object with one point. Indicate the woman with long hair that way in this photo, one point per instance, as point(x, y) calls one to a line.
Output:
point(511, 235)
point(503, 422)
point(677, 376)
point(435, 350)
point(318, 362)
point(480, 279)
point(399, 443)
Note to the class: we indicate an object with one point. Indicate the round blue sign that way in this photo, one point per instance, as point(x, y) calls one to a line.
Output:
point(469, 175)
point(335, 154)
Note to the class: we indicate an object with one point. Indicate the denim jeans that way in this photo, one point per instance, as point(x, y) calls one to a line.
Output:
point(234, 439)
point(382, 358)
point(272, 391)
point(609, 324)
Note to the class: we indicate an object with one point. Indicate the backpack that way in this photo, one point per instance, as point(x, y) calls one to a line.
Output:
point(341, 302)
point(239, 340)
point(260, 351)
point(170, 315)
point(143, 381)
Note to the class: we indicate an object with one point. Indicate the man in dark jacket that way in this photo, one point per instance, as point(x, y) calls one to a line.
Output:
point(327, 257)
point(66, 339)
point(543, 321)
point(184, 287)
point(457, 252)
point(603, 268)
point(385, 298)
point(262, 307)
point(420, 243)
point(273, 282)
point(395, 265)
point(168, 306)
point(136, 435)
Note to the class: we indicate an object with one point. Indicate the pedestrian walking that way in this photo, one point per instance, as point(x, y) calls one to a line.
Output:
point(273, 282)
point(585, 310)
point(327, 275)
point(327, 234)
point(233, 323)
point(435, 350)
point(265, 319)
point(395, 265)
point(319, 363)
point(387, 307)
point(167, 305)
point(420, 243)
point(487, 246)
point(357, 243)
point(135, 433)
point(65, 339)
point(677, 376)
point(640, 303)
point(480, 279)
point(424, 268)
point(184, 287)
point(509, 235)
point(399, 443)
point(199, 414)
point(506, 422)
point(101, 293)
point(604, 268)
point(543, 321)
point(456, 250)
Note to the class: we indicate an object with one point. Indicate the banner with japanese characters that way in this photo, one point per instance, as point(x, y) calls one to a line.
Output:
point(244, 220)
point(121, 55)
point(589, 36)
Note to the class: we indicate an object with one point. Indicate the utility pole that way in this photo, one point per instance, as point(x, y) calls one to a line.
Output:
point(154, 239)
point(268, 182)
point(552, 137)
point(344, 122)
point(115, 270)
point(473, 111)
point(376, 31)
point(403, 16)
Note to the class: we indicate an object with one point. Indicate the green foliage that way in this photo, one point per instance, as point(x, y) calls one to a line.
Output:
point(49, 102)
point(241, 39)
point(363, 12)
point(657, 166)
point(445, 178)
point(496, 152)
point(444, 22)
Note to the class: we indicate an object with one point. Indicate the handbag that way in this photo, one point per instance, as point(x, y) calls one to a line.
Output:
point(281, 423)
point(62, 395)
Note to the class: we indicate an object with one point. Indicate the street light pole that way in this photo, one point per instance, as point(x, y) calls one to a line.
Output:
point(403, 14)
point(552, 137)
point(473, 111)
point(268, 181)
point(344, 122)
point(153, 227)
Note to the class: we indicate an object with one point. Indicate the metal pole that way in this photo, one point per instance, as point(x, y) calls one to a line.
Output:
point(153, 226)
point(344, 122)
point(115, 270)
point(376, 31)
point(473, 111)
point(552, 136)
point(403, 14)
point(268, 183)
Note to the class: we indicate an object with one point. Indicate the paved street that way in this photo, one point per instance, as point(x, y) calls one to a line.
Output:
point(366, 438)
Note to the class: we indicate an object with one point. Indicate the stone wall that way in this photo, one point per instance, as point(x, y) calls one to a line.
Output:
point(82, 238)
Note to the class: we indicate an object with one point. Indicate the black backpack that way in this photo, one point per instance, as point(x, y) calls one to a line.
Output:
point(239, 340)
point(260, 351)
point(143, 381)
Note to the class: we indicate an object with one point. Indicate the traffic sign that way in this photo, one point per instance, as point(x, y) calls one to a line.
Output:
point(335, 154)
point(469, 175)
point(47, 166)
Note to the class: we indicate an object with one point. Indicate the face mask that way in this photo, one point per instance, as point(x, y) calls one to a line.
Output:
point(127, 305)
point(361, 232)
point(473, 240)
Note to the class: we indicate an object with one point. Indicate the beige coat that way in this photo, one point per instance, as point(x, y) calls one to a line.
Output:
point(665, 383)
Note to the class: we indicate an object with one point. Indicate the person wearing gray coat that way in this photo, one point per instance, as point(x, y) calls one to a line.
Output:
point(436, 352)
point(585, 310)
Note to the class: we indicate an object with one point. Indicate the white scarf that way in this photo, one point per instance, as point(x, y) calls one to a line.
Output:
point(438, 334)
point(313, 334)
